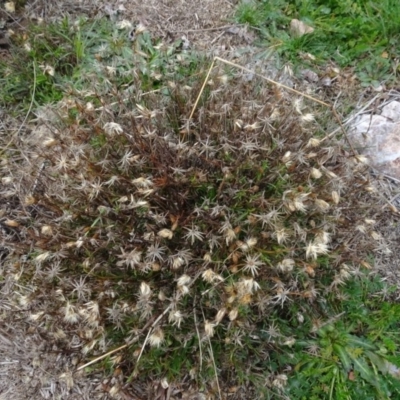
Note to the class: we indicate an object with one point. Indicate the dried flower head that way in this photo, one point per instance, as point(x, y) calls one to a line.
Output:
point(280, 381)
point(316, 248)
point(112, 128)
point(322, 205)
point(47, 69)
point(209, 328)
point(42, 257)
point(307, 117)
point(248, 244)
point(142, 182)
point(47, 230)
point(175, 317)
point(287, 157)
point(145, 290)
point(165, 233)
point(211, 277)
point(233, 314)
point(315, 173)
point(194, 234)
point(220, 315)
point(183, 257)
point(252, 264)
point(70, 313)
point(335, 197)
point(156, 339)
point(282, 235)
point(286, 265)
point(322, 237)
point(247, 286)
point(131, 259)
point(184, 280)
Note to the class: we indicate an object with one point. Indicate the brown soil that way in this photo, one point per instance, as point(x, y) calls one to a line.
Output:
point(201, 23)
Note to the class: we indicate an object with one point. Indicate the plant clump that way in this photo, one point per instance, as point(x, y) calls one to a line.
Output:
point(202, 247)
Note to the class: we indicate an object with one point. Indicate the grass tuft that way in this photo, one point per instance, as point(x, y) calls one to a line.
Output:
point(164, 227)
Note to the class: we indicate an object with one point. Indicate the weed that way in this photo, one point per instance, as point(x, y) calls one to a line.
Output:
point(213, 250)
point(346, 355)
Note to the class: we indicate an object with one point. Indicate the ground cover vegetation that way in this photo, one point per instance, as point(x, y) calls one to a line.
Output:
point(359, 34)
point(228, 253)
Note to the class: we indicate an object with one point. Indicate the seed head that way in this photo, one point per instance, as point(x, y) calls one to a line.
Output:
point(49, 142)
point(165, 233)
point(131, 259)
point(307, 117)
point(315, 173)
point(252, 264)
point(230, 236)
point(112, 128)
point(322, 205)
point(42, 257)
point(145, 290)
point(280, 381)
point(286, 265)
point(209, 328)
point(335, 197)
point(194, 234)
point(313, 249)
point(184, 280)
point(282, 235)
point(323, 237)
point(176, 318)
point(70, 314)
point(157, 337)
point(220, 315)
point(233, 314)
point(298, 203)
point(210, 276)
point(248, 244)
point(287, 156)
point(47, 230)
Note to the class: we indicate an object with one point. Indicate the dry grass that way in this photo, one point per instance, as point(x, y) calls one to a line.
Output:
point(157, 236)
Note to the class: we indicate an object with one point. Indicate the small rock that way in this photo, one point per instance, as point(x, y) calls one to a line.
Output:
point(309, 75)
point(378, 138)
point(326, 81)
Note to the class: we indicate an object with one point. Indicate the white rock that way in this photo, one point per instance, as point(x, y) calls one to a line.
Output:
point(378, 138)
point(392, 111)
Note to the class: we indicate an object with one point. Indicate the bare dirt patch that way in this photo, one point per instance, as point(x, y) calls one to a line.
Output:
point(204, 24)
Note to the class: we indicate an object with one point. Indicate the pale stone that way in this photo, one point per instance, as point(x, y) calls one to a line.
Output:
point(392, 111)
point(378, 138)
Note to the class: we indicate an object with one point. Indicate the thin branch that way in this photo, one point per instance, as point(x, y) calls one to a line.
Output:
point(198, 333)
point(218, 28)
point(213, 359)
point(101, 357)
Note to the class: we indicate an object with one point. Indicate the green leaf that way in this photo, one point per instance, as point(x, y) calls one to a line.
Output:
point(360, 342)
point(385, 366)
point(366, 372)
point(343, 356)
